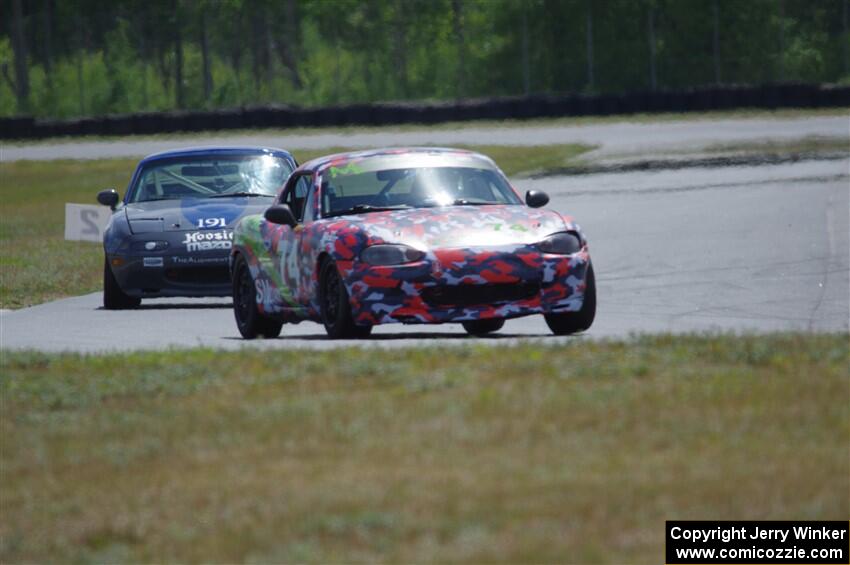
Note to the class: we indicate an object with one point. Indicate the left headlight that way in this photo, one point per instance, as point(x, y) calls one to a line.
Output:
point(563, 243)
point(390, 255)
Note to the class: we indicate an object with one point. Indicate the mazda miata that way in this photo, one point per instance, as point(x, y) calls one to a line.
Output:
point(414, 236)
point(172, 233)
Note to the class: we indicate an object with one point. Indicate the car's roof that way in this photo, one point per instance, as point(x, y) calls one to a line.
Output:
point(338, 159)
point(232, 151)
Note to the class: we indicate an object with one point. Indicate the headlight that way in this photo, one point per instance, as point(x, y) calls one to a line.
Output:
point(148, 245)
point(564, 243)
point(390, 255)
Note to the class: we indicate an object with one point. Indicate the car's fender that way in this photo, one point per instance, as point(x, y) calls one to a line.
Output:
point(117, 233)
point(252, 242)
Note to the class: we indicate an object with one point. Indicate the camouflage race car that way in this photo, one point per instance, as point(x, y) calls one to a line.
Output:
point(172, 234)
point(417, 236)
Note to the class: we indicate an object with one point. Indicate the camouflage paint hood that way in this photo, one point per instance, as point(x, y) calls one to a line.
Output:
point(461, 226)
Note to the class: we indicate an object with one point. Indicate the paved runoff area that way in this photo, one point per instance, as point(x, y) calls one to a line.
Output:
point(613, 138)
point(736, 249)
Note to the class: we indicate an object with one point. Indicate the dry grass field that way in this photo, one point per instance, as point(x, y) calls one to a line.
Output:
point(532, 453)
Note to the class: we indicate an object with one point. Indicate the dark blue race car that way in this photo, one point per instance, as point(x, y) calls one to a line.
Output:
point(172, 233)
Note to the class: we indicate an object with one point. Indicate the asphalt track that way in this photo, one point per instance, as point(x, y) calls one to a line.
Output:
point(740, 249)
point(613, 138)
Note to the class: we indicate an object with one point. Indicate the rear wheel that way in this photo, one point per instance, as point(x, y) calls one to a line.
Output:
point(336, 309)
point(249, 320)
point(483, 327)
point(113, 297)
point(571, 322)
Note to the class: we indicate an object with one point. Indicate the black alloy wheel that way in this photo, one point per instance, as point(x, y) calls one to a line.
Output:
point(336, 309)
point(113, 297)
point(483, 327)
point(251, 323)
point(572, 322)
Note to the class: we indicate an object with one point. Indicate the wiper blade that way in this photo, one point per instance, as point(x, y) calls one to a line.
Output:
point(360, 208)
point(155, 199)
point(243, 193)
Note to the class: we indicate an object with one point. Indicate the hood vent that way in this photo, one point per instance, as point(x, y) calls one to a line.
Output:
point(146, 225)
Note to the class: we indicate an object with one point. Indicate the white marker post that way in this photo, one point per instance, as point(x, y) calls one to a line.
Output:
point(85, 222)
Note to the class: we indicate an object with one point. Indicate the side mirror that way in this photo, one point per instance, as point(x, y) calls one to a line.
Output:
point(280, 214)
point(108, 197)
point(536, 198)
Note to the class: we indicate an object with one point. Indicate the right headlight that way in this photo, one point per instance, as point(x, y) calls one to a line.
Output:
point(152, 245)
point(385, 254)
point(563, 243)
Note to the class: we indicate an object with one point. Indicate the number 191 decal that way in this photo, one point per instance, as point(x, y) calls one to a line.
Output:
point(206, 223)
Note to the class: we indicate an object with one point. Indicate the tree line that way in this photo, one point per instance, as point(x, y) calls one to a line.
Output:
point(63, 58)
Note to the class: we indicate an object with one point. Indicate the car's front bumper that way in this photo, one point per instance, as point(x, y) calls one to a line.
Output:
point(171, 275)
point(458, 285)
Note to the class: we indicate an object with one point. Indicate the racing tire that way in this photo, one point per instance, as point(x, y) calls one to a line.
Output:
point(251, 323)
point(483, 327)
point(113, 297)
point(572, 322)
point(335, 306)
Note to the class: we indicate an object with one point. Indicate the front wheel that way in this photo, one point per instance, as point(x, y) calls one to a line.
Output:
point(571, 322)
point(113, 297)
point(251, 323)
point(336, 309)
point(483, 327)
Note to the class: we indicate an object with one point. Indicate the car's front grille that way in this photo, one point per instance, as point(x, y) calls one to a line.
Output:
point(199, 275)
point(476, 294)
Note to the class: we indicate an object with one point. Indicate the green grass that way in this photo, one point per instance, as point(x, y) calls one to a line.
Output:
point(812, 144)
point(533, 453)
point(37, 264)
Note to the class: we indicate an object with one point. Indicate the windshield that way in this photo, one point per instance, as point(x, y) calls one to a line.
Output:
point(211, 177)
point(420, 187)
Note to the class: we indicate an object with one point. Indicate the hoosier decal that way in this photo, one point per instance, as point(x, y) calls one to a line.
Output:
point(208, 241)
